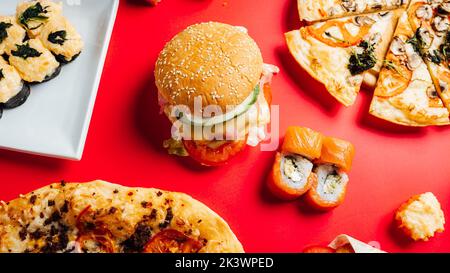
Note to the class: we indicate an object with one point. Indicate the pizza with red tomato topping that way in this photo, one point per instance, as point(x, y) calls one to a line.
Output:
point(343, 53)
point(108, 218)
point(405, 93)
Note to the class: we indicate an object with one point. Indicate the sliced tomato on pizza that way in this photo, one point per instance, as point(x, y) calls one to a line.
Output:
point(339, 52)
point(405, 92)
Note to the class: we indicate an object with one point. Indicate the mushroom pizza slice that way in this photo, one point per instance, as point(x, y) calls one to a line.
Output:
point(319, 10)
point(405, 93)
point(430, 21)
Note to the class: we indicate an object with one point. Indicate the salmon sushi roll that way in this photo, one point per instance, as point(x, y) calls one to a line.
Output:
point(337, 152)
point(328, 189)
point(34, 15)
point(291, 175)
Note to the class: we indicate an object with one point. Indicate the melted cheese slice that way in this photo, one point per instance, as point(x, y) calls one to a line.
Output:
point(35, 27)
point(35, 69)
point(318, 10)
point(11, 83)
point(15, 34)
point(328, 61)
point(72, 45)
point(410, 105)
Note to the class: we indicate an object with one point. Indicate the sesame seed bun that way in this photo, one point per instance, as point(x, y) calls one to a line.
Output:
point(220, 63)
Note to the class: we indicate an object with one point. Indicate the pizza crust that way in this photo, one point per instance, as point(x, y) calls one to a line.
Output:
point(119, 209)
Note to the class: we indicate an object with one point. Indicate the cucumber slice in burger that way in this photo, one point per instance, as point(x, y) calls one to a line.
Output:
point(237, 111)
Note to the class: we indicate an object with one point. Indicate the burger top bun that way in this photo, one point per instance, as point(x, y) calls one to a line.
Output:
point(218, 62)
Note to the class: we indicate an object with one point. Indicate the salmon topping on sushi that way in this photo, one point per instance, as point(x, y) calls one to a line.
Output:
point(291, 176)
point(328, 191)
point(291, 173)
point(337, 152)
point(303, 141)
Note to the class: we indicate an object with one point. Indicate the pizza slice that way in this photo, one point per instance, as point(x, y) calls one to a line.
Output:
point(338, 52)
point(405, 92)
point(319, 10)
point(104, 217)
point(430, 22)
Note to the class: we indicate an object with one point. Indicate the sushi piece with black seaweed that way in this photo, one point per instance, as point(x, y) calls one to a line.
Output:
point(62, 39)
point(34, 62)
point(13, 90)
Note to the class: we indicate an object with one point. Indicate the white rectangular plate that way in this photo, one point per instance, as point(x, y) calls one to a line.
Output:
point(55, 119)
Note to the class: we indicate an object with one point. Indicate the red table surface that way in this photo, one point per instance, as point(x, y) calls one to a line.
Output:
point(124, 144)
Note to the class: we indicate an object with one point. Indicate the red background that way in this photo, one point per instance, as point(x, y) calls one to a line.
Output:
point(124, 144)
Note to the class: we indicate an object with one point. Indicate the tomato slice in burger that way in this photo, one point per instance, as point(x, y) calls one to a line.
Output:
point(319, 249)
point(213, 153)
point(172, 241)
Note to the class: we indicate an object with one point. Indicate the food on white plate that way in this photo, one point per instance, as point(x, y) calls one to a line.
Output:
point(291, 175)
point(54, 41)
point(62, 39)
point(405, 93)
point(34, 62)
point(421, 217)
point(329, 188)
point(319, 10)
point(34, 15)
point(430, 21)
point(13, 90)
point(10, 33)
point(220, 67)
point(341, 53)
point(104, 217)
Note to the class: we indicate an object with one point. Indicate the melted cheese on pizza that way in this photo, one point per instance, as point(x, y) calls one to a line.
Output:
point(405, 93)
point(104, 217)
point(431, 24)
point(33, 25)
point(318, 10)
point(34, 69)
point(14, 34)
point(325, 49)
point(68, 43)
point(10, 82)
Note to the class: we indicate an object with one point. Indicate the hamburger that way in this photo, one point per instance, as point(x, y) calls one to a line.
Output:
point(215, 89)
